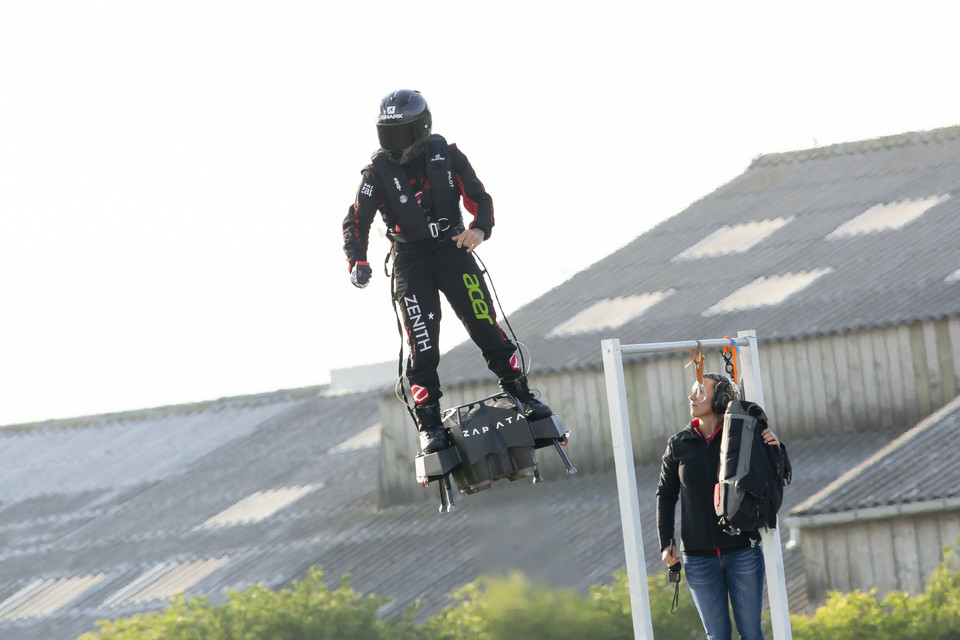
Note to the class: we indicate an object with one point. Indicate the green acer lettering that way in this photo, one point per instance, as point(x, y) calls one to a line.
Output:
point(480, 308)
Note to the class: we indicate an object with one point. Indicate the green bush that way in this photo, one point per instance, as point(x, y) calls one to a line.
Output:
point(931, 615)
point(485, 609)
point(307, 611)
point(510, 607)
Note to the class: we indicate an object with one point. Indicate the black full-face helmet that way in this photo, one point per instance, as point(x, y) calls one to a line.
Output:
point(403, 125)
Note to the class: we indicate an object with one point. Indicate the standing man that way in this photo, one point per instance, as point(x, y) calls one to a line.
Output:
point(416, 181)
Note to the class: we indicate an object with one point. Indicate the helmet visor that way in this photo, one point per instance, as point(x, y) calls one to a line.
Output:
point(397, 136)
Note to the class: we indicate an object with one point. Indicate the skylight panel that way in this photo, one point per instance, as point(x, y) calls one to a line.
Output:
point(369, 437)
point(766, 291)
point(258, 506)
point(609, 313)
point(43, 597)
point(886, 216)
point(164, 581)
point(735, 238)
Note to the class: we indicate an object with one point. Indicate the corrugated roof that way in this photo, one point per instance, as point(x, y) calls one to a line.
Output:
point(918, 470)
point(884, 277)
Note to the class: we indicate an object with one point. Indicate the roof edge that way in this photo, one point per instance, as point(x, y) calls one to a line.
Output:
point(861, 146)
point(872, 513)
point(174, 409)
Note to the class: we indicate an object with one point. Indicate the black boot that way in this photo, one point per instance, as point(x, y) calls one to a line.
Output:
point(433, 437)
point(533, 409)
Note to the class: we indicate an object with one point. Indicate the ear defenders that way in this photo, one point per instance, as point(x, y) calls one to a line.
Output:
point(722, 394)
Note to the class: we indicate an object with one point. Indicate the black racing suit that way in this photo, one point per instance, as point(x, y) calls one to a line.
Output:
point(424, 267)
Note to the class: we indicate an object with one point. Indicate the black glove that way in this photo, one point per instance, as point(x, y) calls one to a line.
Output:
point(360, 274)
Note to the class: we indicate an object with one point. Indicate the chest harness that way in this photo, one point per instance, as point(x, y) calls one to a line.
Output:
point(437, 215)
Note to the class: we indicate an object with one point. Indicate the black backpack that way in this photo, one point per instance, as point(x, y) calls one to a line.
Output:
point(749, 489)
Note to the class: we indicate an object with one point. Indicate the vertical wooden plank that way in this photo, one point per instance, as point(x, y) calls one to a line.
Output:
point(791, 391)
point(591, 455)
point(860, 562)
point(868, 370)
point(838, 558)
point(397, 483)
point(597, 424)
point(811, 381)
point(905, 550)
point(860, 421)
point(600, 429)
point(586, 418)
point(594, 453)
point(881, 551)
point(818, 386)
point(950, 529)
point(682, 377)
point(633, 381)
point(881, 377)
point(603, 410)
point(563, 400)
point(844, 387)
point(831, 385)
point(933, 365)
point(778, 384)
point(813, 544)
point(928, 545)
point(769, 389)
point(658, 391)
point(948, 383)
point(674, 397)
point(953, 332)
point(801, 396)
point(895, 371)
point(921, 373)
point(662, 394)
point(649, 397)
point(908, 380)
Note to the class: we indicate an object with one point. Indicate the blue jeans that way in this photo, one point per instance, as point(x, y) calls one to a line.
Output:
point(737, 576)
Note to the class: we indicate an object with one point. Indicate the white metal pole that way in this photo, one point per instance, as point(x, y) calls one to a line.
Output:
point(627, 488)
point(772, 549)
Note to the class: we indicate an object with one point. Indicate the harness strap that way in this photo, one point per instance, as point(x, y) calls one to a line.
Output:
point(697, 362)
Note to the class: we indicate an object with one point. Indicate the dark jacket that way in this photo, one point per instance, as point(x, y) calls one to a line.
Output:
point(370, 199)
point(688, 471)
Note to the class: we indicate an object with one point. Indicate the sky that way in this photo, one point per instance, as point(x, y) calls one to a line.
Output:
point(173, 175)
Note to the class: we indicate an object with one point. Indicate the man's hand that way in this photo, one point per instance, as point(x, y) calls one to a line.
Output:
point(471, 239)
point(360, 274)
